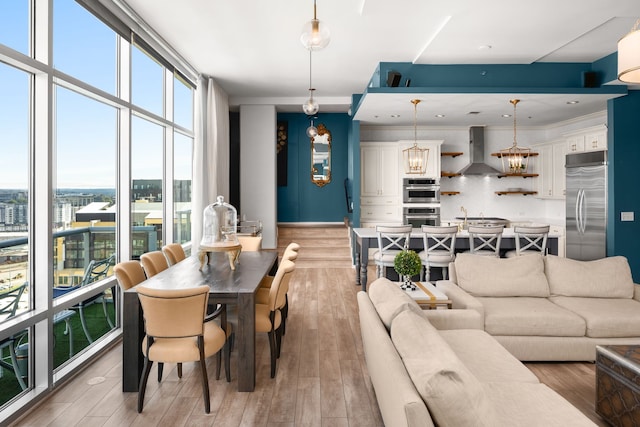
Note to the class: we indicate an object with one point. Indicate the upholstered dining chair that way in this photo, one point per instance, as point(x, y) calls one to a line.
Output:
point(250, 243)
point(153, 263)
point(439, 245)
point(269, 317)
point(129, 274)
point(392, 239)
point(177, 331)
point(530, 240)
point(485, 240)
point(174, 253)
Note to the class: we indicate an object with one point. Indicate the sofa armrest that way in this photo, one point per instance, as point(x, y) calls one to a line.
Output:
point(636, 291)
point(459, 297)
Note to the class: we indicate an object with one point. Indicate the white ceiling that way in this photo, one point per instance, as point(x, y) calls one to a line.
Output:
point(252, 48)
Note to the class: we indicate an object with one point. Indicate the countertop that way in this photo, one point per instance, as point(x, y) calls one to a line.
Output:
point(416, 232)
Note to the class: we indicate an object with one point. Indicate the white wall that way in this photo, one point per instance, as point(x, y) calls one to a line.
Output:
point(478, 193)
point(258, 196)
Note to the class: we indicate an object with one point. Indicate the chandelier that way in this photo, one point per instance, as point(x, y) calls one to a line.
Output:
point(415, 158)
point(628, 56)
point(315, 35)
point(515, 159)
point(310, 107)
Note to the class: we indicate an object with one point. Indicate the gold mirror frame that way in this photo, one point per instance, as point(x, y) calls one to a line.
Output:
point(321, 157)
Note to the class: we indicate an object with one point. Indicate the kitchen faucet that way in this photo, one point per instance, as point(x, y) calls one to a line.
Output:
point(464, 224)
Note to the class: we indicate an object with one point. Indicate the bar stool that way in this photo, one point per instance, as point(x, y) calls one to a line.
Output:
point(439, 246)
point(485, 240)
point(392, 239)
point(530, 240)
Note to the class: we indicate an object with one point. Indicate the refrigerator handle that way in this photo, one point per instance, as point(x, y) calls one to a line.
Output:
point(583, 212)
point(580, 216)
point(577, 205)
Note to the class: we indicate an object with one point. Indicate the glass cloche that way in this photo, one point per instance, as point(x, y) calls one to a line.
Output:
point(220, 220)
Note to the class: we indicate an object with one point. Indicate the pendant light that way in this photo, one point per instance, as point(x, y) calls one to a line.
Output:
point(315, 35)
point(628, 56)
point(310, 107)
point(312, 131)
point(415, 158)
point(515, 159)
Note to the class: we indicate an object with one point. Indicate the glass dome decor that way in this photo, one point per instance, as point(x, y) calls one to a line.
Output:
point(220, 222)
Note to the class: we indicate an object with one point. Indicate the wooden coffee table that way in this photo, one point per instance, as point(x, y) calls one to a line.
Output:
point(428, 296)
point(618, 384)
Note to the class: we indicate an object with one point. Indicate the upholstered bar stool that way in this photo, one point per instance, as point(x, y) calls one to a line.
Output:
point(439, 246)
point(530, 240)
point(485, 240)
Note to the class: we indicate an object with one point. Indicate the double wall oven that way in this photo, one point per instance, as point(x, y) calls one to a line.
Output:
point(420, 201)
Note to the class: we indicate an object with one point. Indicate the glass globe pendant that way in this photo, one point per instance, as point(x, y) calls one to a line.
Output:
point(310, 107)
point(315, 35)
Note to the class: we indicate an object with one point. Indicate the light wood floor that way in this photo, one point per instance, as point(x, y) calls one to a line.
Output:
point(321, 376)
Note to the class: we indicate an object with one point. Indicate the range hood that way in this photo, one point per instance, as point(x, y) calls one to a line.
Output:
point(476, 153)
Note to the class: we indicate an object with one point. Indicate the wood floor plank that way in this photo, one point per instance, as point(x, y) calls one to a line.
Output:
point(321, 377)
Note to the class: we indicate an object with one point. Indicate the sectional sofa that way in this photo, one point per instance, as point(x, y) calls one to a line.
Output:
point(459, 377)
point(544, 308)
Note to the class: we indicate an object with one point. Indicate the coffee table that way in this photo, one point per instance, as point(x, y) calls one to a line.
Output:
point(428, 296)
point(618, 384)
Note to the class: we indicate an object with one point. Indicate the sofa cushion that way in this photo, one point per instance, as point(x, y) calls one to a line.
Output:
point(502, 277)
point(485, 357)
point(453, 395)
point(389, 300)
point(605, 317)
point(521, 404)
point(602, 278)
point(530, 316)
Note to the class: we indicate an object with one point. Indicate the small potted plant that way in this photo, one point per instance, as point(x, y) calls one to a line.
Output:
point(407, 264)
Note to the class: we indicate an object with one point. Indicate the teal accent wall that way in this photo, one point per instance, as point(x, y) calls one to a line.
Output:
point(301, 200)
point(623, 238)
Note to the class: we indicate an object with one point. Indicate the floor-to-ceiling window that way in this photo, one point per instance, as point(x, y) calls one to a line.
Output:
point(96, 136)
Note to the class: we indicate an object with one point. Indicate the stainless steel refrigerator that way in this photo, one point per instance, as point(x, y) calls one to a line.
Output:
point(586, 205)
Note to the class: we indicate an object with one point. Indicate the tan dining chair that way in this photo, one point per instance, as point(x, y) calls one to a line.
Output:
point(153, 263)
point(439, 246)
point(269, 317)
point(530, 240)
point(177, 331)
point(250, 243)
point(392, 239)
point(129, 274)
point(174, 253)
point(485, 240)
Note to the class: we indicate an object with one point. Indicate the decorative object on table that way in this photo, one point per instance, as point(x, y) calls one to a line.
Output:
point(321, 157)
point(415, 158)
point(515, 159)
point(220, 232)
point(407, 264)
point(628, 60)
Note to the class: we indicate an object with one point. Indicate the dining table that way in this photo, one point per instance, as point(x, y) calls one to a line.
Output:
point(227, 286)
point(367, 237)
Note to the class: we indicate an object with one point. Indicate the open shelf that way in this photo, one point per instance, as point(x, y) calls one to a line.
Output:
point(449, 174)
point(499, 155)
point(449, 193)
point(451, 153)
point(506, 193)
point(521, 175)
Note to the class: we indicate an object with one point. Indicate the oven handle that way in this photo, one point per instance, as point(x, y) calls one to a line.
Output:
point(422, 187)
point(409, 216)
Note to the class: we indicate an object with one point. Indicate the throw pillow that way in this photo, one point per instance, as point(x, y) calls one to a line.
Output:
point(389, 300)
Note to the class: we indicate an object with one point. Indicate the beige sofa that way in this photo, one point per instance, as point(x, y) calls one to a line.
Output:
point(545, 308)
point(460, 377)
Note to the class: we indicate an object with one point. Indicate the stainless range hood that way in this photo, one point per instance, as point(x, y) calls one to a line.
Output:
point(476, 153)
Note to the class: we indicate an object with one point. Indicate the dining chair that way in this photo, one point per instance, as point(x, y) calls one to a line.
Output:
point(485, 240)
point(153, 263)
point(129, 274)
point(392, 239)
point(439, 246)
point(174, 253)
point(269, 317)
point(250, 243)
point(178, 331)
point(9, 300)
point(530, 240)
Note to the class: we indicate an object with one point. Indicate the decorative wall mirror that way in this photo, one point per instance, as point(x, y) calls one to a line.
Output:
point(321, 157)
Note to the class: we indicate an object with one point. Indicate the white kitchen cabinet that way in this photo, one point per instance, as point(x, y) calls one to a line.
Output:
point(550, 182)
point(433, 160)
point(590, 139)
point(380, 184)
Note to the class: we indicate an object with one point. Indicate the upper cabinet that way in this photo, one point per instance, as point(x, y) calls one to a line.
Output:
point(433, 158)
point(380, 174)
point(590, 139)
point(550, 168)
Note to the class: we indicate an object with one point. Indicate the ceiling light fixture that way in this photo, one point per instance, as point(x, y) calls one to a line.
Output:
point(628, 58)
point(315, 35)
point(312, 131)
point(515, 159)
point(310, 107)
point(415, 158)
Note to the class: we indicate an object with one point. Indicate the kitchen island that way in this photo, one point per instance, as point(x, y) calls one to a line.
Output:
point(366, 238)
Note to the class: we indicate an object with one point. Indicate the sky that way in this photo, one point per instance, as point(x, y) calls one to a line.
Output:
point(85, 130)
